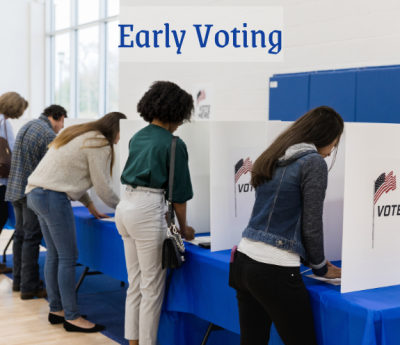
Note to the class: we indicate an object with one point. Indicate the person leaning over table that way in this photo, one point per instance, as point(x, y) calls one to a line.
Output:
point(12, 106)
point(82, 156)
point(31, 146)
point(290, 178)
point(140, 216)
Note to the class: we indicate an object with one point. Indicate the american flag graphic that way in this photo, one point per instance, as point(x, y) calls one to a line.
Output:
point(384, 184)
point(200, 96)
point(242, 167)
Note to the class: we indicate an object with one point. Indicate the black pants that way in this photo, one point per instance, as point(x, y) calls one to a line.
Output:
point(3, 208)
point(269, 294)
point(27, 238)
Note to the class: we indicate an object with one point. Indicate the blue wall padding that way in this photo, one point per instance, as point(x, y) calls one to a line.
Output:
point(289, 100)
point(367, 94)
point(378, 95)
point(336, 90)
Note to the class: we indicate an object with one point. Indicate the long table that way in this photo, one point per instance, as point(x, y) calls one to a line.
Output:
point(199, 294)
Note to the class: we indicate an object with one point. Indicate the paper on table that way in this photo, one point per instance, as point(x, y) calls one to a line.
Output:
point(336, 281)
point(200, 239)
point(112, 219)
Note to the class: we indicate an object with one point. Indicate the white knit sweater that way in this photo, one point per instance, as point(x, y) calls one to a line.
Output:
point(73, 170)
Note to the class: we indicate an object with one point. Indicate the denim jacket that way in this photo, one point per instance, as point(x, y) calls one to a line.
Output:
point(288, 209)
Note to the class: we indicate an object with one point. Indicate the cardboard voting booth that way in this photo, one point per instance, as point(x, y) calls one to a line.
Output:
point(361, 210)
point(235, 145)
point(362, 204)
point(197, 139)
point(371, 219)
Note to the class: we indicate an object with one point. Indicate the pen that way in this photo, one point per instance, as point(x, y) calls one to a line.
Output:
point(306, 270)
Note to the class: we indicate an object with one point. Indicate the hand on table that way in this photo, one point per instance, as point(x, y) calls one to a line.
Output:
point(93, 211)
point(329, 264)
point(188, 233)
point(333, 271)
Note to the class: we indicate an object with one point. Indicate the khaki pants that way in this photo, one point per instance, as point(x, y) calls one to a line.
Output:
point(140, 219)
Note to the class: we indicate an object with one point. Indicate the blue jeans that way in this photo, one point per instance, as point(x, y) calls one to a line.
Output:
point(58, 226)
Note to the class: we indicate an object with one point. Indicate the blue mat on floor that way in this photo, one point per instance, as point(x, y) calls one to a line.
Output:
point(102, 298)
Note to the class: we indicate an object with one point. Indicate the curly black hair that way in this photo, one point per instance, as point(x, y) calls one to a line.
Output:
point(166, 102)
point(55, 111)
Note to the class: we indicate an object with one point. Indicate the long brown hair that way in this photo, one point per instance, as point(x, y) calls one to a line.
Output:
point(320, 126)
point(108, 125)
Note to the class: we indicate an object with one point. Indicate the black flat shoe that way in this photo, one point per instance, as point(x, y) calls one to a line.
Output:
point(56, 319)
point(69, 327)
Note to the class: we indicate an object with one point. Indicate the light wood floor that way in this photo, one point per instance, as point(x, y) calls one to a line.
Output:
point(25, 322)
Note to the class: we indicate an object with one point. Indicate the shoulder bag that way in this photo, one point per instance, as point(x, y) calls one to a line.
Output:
point(5, 154)
point(173, 247)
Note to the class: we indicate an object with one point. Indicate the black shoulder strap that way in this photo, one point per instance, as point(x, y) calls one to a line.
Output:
point(170, 215)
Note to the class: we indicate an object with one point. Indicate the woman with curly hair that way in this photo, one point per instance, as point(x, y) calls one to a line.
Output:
point(140, 216)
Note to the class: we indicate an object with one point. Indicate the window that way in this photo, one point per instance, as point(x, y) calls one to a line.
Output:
point(83, 54)
point(112, 66)
point(88, 72)
point(62, 70)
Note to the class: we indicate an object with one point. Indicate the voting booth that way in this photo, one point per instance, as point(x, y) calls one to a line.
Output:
point(361, 210)
point(196, 136)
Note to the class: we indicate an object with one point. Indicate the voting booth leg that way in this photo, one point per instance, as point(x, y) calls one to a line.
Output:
point(82, 277)
point(210, 328)
point(5, 250)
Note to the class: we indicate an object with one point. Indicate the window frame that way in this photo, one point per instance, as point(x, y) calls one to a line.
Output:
point(73, 31)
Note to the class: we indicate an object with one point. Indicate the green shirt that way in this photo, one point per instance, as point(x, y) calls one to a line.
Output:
point(148, 163)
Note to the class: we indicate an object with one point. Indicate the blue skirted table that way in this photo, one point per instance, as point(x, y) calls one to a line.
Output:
point(199, 294)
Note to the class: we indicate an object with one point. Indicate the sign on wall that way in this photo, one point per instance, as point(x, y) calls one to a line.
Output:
point(201, 33)
point(203, 97)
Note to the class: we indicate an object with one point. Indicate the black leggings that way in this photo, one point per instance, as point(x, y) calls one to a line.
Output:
point(268, 293)
point(3, 208)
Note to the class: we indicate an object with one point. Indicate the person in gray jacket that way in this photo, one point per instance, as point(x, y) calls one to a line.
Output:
point(286, 228)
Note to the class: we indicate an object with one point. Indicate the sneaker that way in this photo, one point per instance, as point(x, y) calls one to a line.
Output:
point(5, 269)
point(40, 293)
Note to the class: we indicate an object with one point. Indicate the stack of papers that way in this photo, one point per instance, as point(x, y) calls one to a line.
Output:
point(336, 281)
point(200, 239)
point(112, 219)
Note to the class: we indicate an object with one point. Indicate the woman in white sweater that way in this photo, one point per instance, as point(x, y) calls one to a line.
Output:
point(82, 156)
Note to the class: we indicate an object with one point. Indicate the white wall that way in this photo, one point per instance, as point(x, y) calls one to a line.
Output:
point(318, 35)
point(22, 56)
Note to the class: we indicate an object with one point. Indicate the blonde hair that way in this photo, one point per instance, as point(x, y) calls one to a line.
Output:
point(108, 126)
point(12, 105)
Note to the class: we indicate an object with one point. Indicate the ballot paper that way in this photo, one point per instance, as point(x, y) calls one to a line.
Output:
point(112, 219)
point(336, 281)
point(200, 239)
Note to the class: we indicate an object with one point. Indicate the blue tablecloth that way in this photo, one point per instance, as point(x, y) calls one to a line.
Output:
point(199, 293)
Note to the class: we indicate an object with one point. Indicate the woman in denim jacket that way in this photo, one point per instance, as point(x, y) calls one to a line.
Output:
point(285, 228)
